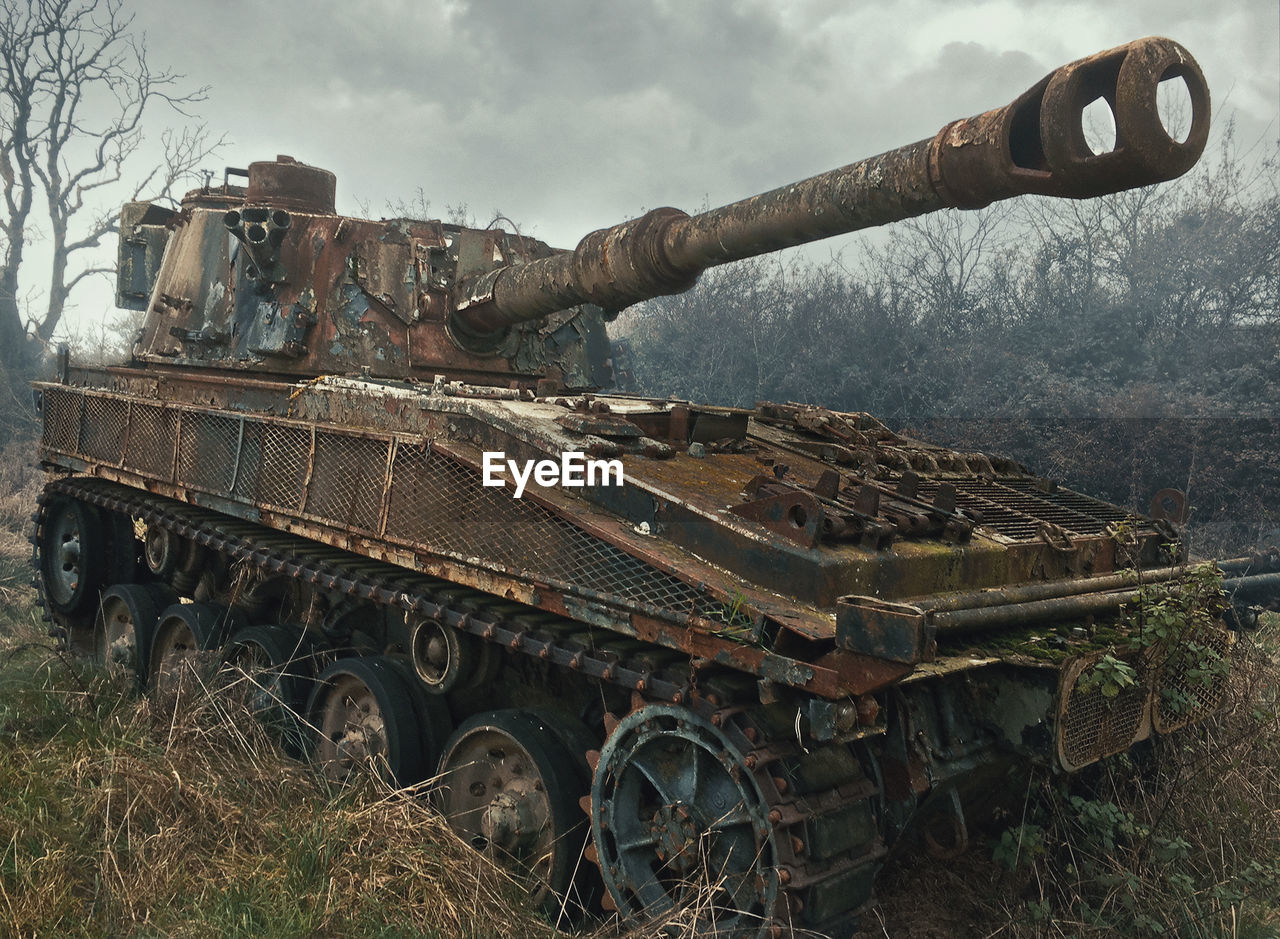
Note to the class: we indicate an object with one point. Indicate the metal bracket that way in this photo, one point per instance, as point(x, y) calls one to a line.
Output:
point(795, 515)
point(898, 632)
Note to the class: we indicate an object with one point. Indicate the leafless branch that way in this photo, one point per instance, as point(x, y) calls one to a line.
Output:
point(76, 84)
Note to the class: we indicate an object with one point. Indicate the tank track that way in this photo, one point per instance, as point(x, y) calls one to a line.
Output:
point(823, 801)
point(822, 809)
point(825, 808)
point(545, 636)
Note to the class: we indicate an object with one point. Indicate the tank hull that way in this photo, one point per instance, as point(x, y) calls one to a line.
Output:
point(661, 596)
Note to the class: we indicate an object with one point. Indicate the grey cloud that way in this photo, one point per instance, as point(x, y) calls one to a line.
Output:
point(966, 78)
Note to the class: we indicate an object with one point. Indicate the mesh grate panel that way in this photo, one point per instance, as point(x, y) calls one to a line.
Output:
point(1015, 508)
point(348, 480)
point(1094, 726)
point(1192, 681)
point(102, 430)
point(62, 420)
point(247, 473)
point(282, 465)
point(440, 503)
point(207, 451)
point(153, 435)
point(436, 502)
point(1098, 514)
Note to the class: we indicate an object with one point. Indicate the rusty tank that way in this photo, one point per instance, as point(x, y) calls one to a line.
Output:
point(656, 653)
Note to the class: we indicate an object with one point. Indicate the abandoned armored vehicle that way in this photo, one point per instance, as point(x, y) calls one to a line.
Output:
point(716, 652)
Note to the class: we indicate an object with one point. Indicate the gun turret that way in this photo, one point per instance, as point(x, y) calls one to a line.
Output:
point(267, 278)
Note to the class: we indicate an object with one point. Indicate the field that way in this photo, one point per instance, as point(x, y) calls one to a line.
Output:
point(180, 816)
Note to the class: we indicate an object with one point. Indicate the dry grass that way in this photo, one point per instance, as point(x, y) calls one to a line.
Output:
point(20, 483)
point(1184, 840)
point(1179, 839)
point(180, 817)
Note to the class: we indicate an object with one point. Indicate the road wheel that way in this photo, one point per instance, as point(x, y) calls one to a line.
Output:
point(272, 668)
point(365, 713)
point(510, 788)
point(187, 638)
point(72, 555)
point(162, 549)
point(125, 627)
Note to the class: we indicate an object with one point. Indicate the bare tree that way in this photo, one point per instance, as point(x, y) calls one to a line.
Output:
point(75, 85)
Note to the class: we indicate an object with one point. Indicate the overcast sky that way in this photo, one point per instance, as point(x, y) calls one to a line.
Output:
point(569, 115)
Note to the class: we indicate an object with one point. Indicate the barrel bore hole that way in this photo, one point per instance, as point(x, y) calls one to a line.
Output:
point(798, 516)
point(1026, 148)
point(256, 233)
point(1173, 104)
point(1099, 125)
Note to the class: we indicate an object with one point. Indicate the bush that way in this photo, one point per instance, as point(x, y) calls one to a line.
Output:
point(1180, 838)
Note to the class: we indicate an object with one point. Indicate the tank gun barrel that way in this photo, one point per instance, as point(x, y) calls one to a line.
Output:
point(1035, 145)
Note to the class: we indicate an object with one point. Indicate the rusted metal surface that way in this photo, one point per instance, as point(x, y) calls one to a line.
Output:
point(1034, 145)
point(351, 487)
point(792, 513)
point(286, 183)
point(1170, 505)
point(375, 484)
point(1001, 596)
point(362, 483)
point(143, 233)
point(681, 498)
point(897, 632)
point(398, 581)
point(298, 290)
point(1074, 602)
